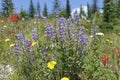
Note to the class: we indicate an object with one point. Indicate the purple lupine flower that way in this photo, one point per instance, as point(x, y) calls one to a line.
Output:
point(27, 44)
point(82, 37)
point(62, 21)
point(82, 31)
point(69, 21)
point(34, 34)
point(43, 17)
point(62, 32)
point(16, 49)
point(20, 37)
point(49, 31)
point(70, 27)
point(76, 18)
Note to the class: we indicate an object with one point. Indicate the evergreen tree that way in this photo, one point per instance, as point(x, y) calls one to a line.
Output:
point(0, 11)
point(95, 7)
point(45, 13)
point(11, 6)
point(21, 8)
point(106, 10)
point(31, 9)
point(81, 12)
point(56, 6)
point(112, 10)
point(118, 9)
point(38, 8)
point(89, 10)
point(108, 15)
point(68, 11)
point(7, 7)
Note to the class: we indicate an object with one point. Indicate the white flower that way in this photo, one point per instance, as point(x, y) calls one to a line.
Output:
point(91, 36)
point(88, 20)
point(35, 22)
point(8, 69)
point(100, 34)
point(23, 18)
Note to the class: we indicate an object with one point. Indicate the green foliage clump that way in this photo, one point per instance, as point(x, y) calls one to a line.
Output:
point(24, 14)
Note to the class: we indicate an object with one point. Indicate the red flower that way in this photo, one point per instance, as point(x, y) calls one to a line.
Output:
point(117, 51)
point(14, 17)
point(30, 42)
point(9, 32)
point(104, 59)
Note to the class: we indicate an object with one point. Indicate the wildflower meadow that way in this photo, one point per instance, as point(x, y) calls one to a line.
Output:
point(58, 47)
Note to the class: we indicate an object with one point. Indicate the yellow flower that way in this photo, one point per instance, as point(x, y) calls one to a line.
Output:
point(33, 43)
point(2, 21)
point(4, 26)
point(119, 33)
point(51, 64)
point(6, 40)
point(11, 45)
point(65, 78)
point(109, 41)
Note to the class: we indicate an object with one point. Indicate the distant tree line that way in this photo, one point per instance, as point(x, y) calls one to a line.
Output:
point(111, 9)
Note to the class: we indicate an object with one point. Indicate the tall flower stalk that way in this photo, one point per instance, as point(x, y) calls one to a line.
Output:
point(82, 39)
point(34, 34)
point(50, 32)
point(62, 32)
point(77, 18)
point(20, 37)
point(69, 28)
point(16, 49)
